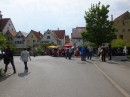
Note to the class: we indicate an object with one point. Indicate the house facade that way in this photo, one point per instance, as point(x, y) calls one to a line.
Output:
point(61, 35)
point(122, 24)
point(20, 39)
point(10, 36)
point(50, 36)
point(76, 37)
point(33, 39)
point(6, 24)
point(67, 39)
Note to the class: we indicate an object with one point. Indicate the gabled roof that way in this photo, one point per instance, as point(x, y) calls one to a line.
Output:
point(3, 23)
point(24, 33)
point(125, 15)
point(76, 32)
point(55, 35)
point(59, 33)
point(13, 33)
point(37, 34)
point(67, 38)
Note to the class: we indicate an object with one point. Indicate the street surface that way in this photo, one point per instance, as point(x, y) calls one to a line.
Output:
point(59, 77)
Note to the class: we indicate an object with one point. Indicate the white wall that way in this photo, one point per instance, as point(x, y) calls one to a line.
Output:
point(52, 39)
point(23, 44)
point(7, 27)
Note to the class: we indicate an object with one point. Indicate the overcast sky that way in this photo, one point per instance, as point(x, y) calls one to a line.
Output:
point(40, 15)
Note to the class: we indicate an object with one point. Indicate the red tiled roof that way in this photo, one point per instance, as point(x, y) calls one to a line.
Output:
point(37, 34)
point(67, 38)
point(55, 35)
point(76, 32)
point(13, 33)
point(3, 23)
point(59, 33)
point(124, 15)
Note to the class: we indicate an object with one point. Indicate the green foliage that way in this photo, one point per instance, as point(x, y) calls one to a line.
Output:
point(119, 43)
point(43, 47)
point(39, 50)
point(2, 41)
point(98, 29)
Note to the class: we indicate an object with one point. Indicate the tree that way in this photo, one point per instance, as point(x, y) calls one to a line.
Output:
point(119, 43)
point(98, 29)
point(2, 41)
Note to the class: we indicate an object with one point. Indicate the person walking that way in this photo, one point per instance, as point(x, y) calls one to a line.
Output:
point(103, 53)
point(83, 52)
point(8, 58)
point(70, 52)
point(24, 57)
point(90, 49)
point(109, 51)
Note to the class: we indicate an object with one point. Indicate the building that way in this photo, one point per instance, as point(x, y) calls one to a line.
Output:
point(20, 39)
point(61, 35)
point(33, 39)
point(122, 24)
point(51, 37)
point(6, 24)
point(76, 37)
point(10, 36)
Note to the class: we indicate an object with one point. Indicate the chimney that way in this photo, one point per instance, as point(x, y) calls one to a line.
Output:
point(0, 15)
point(58, 28)
point(111, 17)
point(39, 32)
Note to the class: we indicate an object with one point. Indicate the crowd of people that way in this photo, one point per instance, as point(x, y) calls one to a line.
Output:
point(84, 52)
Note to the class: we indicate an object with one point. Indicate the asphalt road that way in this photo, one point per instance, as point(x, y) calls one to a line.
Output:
point(60, 77)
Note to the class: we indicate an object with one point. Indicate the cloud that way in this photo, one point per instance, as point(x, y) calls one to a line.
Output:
point(51, 14)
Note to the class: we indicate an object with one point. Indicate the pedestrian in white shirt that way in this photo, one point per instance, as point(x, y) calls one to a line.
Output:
point(24, 57)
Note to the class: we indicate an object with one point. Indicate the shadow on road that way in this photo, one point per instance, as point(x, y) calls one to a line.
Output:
point(23, 74)
point(4, 77)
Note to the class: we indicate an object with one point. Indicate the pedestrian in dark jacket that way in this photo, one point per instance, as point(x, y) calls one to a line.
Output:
point(103, 48)
point(109, 51)
point(8, 58)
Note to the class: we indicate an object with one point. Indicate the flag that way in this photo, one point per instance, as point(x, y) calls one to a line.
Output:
point(23, 39)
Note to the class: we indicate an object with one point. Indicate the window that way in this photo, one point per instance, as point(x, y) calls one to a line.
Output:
point(33, 41)
point(123, 30)
point(128, 30)
point(15, 42)
point(121, 36)
point(47, 32)
point(12, 29)
point(32, 36)
point(19, 42)
point(48, 37)
point(123, 23)
point(21, 36)
point(18, 36)
point(79, 40)
point(9, 24)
